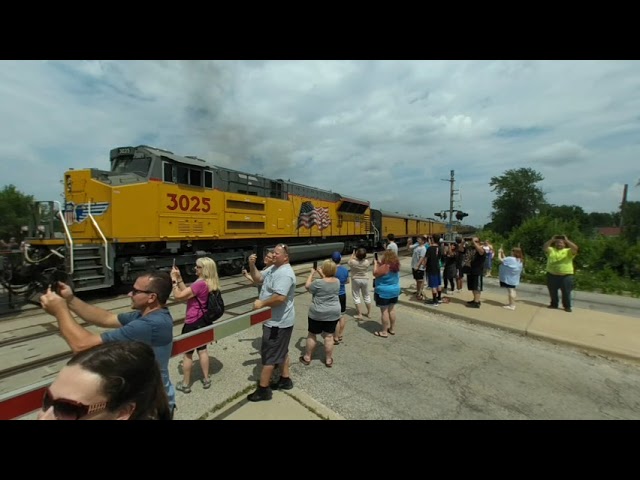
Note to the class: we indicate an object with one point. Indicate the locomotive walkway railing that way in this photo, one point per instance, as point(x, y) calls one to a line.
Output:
point(28, 399)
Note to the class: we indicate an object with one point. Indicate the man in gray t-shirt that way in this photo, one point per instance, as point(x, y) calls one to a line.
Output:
point(278, 291)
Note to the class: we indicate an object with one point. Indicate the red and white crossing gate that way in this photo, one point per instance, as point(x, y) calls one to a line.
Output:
point(28, 399)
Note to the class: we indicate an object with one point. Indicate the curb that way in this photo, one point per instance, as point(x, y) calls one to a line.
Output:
point(286, 401)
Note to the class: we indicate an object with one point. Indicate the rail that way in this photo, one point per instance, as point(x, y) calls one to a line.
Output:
point(28, 399)
point(104, 239)
point(67, 234)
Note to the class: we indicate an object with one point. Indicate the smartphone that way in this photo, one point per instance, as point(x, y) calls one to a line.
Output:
point(559, 237)
point(468, 239)
point(315, 265)
point(375, 255)
point(174, 262)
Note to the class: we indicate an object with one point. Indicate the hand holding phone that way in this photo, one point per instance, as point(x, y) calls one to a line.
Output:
point(315, 265)
point(375, 255)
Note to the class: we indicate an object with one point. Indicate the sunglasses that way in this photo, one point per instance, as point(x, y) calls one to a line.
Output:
point(135, 291)
point(284, 247)
point(64, 409)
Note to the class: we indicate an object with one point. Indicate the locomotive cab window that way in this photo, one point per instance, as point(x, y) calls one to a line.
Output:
point(208, 179)
point(167, 172)
point(188, 176)
point(128, 164)
point(195, 177)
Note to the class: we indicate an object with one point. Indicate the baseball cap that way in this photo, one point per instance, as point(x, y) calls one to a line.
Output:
point(336, 257)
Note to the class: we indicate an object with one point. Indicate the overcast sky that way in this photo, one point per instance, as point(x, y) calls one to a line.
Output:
point(386, 131)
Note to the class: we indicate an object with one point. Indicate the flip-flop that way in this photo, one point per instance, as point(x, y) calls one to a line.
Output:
point(329, 363)
point(390, 332)
point(302, 360)
point(378, 334)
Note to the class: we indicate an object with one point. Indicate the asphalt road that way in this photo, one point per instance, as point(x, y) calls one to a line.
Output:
point(441, 368)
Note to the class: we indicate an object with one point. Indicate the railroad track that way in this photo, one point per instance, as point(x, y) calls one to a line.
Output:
point(52, 330)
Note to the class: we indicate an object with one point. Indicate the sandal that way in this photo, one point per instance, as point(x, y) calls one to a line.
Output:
point(206, 383)
point(329, 363)
point(378, 334)
point(306, 362)
point(391, 332)
point(183, 388)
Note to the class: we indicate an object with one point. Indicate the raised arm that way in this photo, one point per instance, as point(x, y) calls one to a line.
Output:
point(89, 313)
point(78, 337)
point(571, 245)
point(256, 275)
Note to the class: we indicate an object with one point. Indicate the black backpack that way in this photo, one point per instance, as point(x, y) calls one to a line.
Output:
point(215, 307)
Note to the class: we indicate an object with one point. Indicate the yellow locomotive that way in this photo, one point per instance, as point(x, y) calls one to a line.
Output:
point(154, 208)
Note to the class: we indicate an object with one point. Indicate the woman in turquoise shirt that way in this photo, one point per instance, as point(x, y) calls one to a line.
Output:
point(386, 272)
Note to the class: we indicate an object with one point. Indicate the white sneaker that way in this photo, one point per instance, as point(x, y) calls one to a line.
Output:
point(509, 307)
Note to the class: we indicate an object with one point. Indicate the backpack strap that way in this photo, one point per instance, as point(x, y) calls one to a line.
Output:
point(202, 309)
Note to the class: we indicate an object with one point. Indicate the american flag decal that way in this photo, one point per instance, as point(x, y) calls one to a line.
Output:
point(310, 216)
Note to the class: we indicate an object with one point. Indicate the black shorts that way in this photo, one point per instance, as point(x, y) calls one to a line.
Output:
point(384, 302)
point(474, 282)
point(275, 344)
point(317, 327)
point(506, 285)
point(418, 274)
point(192, 327)
point(343, 302)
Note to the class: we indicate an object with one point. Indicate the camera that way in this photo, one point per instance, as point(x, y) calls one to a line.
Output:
point(558, 237)
point(468, 239)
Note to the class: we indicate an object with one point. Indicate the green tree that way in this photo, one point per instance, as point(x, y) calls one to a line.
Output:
point(569, 213)
point(598, 219)
point(631, 221)
point(15, 211)
point(518, 198)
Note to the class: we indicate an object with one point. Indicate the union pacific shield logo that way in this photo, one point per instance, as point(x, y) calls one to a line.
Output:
point(78, 213)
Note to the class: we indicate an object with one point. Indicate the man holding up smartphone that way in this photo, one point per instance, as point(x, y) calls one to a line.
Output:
point(560, 252)
point(278, 292)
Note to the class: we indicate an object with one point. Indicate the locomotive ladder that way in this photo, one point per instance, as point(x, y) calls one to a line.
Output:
point(89, 263)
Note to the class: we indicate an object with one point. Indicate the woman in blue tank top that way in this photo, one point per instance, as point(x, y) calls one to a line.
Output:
point(386, 272)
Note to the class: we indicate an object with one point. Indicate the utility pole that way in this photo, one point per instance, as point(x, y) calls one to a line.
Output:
point(452, 192)
point(622, 205)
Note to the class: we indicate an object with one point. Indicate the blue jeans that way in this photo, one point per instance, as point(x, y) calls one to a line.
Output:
point(565, 284)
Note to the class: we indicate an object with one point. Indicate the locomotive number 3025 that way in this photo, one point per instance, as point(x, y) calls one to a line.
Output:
point(186, 203)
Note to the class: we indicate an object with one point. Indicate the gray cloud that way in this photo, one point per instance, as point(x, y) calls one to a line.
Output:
point(386, 131)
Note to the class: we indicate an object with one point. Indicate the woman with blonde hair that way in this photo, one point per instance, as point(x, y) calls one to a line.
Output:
point(509, 273)
point(197, 296)
point(324, 312)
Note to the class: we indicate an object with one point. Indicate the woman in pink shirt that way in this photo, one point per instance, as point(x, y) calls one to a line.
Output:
point(196, 296)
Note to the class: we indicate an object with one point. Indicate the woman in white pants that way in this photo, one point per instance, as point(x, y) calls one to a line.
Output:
point(360, 281)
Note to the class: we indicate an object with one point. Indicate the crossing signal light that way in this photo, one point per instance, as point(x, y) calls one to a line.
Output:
point(460, 215)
